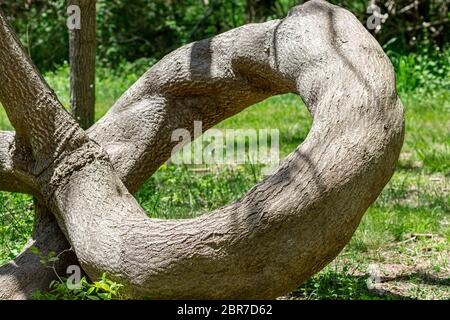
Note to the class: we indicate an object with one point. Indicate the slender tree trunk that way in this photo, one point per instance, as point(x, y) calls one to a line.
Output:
point(259, 10)
point(82, 65)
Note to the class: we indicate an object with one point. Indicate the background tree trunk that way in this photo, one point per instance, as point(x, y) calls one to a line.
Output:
point(82, 65)
point(259, 10)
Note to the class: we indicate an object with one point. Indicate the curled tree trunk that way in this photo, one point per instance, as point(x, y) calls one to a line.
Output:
point(284, 229)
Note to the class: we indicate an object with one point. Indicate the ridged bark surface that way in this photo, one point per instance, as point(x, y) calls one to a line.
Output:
point(284, 229)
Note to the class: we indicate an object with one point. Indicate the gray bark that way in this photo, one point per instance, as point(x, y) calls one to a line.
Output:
point(82, 65)
point(11, 178)
point(284, 229)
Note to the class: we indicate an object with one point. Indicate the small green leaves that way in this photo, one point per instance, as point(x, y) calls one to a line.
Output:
point(104, 289)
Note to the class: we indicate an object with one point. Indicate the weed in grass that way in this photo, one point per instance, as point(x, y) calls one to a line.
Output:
point(104, 289)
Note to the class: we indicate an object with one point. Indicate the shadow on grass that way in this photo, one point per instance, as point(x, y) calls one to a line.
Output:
point(421, 277)
point(330, 285)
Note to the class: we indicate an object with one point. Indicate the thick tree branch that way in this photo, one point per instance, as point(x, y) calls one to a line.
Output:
point(303, 214)
point(13, 179)
point(39, 121)
point(42, 125)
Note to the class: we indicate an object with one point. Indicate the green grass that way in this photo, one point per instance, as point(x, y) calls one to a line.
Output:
point(16, 222)
point(407, 226)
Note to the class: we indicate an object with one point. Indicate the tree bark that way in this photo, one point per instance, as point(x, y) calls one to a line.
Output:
point(286, 228)
point(82, 65)
point(11, 178)
point(24, 156)
point(258, 10)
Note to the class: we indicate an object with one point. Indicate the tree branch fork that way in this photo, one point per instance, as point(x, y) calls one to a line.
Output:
point(280, 233)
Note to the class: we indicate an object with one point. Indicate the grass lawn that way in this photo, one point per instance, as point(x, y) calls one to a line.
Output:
point(401, 249)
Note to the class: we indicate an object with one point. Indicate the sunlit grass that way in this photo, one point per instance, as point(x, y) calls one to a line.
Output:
point(416, 200)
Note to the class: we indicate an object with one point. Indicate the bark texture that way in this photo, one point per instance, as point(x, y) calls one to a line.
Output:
point(284, 229)
point(82, 65)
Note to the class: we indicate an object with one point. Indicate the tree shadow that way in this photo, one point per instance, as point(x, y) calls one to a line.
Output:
point(333, 285)
point(419, 276)
point(338, 286)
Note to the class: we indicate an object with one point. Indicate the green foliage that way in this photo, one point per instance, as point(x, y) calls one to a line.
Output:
point(126, 30)
point(16, 221)
point(130, 30)
point(427, 70)
point(104, 289)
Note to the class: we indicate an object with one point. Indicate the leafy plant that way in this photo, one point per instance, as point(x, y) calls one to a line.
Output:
point(59, 289)
point(104, 289)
